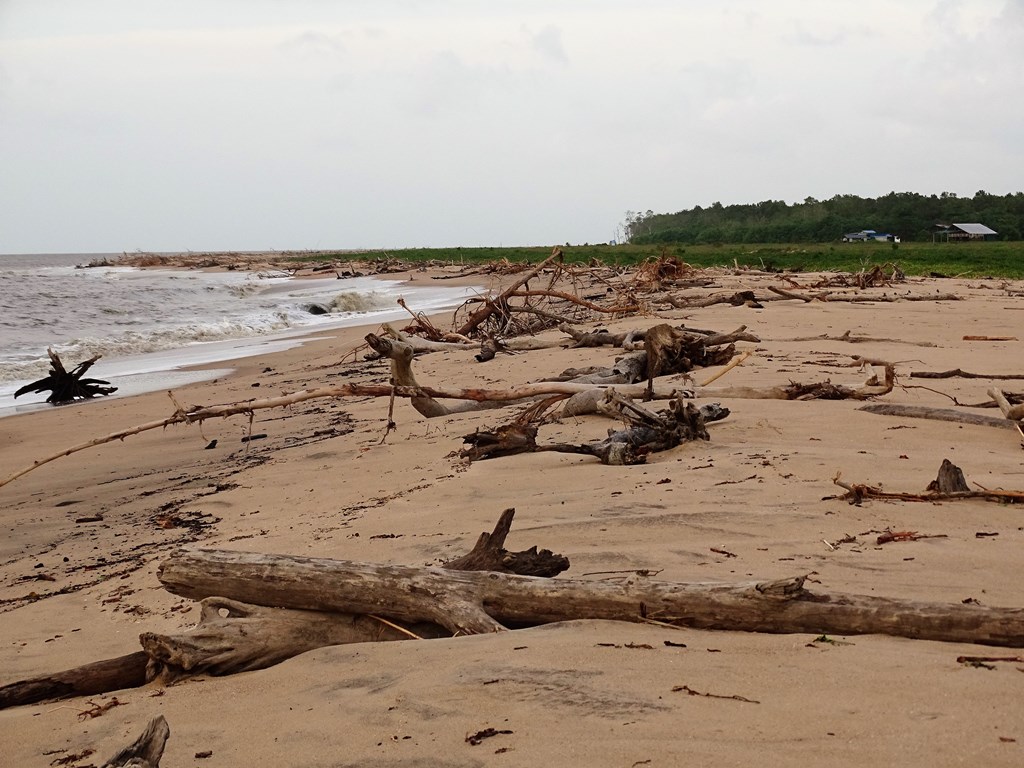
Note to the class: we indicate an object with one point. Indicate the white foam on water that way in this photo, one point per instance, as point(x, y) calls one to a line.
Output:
point(146, 321)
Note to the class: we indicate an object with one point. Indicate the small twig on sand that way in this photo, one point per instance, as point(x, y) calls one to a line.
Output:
point(688, 690)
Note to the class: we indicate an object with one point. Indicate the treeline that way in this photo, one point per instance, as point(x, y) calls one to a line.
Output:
point(909, 215)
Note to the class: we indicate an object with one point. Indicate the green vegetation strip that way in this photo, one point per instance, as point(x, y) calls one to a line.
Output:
point(978, 259)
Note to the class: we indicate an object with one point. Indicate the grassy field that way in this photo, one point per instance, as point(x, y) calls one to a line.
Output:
point(991, 259)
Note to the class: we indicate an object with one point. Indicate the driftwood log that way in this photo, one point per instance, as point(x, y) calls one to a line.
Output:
point(938, 414)
point(67, 386)
point(478, 602)
point(127, 671)
point(957, 373)
point(1010, 411)
point(232, 636)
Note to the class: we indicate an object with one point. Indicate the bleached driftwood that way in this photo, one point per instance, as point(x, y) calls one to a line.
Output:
point(233, 636)
point(937, 414)
point(470, 602)
point(422, 345)
point(1011, 412)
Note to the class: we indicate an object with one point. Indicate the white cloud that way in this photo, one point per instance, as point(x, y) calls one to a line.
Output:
point(305, 124)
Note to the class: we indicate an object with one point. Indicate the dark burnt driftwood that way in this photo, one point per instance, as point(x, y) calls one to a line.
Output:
point(67, 386)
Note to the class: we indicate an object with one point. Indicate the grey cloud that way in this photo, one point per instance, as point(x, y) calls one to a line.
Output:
point(548, 43)
point(316, 43)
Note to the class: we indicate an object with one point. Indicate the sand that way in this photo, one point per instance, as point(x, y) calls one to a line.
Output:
point(595, 693)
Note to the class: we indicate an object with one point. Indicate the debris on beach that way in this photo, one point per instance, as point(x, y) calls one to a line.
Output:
point(67, 386)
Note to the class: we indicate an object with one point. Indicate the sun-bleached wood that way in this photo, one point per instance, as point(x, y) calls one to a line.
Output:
point(479, 602)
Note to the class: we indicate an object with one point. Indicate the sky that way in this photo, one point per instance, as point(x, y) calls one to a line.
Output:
point(204, 125)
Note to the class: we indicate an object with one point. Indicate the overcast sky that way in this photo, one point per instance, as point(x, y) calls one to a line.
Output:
point(280, 124)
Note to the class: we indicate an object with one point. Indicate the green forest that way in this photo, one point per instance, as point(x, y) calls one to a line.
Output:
point(907, 215)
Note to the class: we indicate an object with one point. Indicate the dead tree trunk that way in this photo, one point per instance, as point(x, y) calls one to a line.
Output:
point(232, 636)
point(468, 602)
point(646, 432)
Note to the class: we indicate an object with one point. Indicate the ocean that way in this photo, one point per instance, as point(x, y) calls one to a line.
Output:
point(149, 323)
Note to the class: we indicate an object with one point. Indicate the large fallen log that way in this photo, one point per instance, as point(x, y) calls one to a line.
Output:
point(470, 603)
point(232, 636)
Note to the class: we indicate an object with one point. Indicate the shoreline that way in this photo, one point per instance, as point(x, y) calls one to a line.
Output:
point(143, 372)
point(327, 480)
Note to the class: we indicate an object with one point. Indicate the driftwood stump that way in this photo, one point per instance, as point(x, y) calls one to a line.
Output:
point(489, 554)
point(145, 751)
point(67, 386)
point(950, 479)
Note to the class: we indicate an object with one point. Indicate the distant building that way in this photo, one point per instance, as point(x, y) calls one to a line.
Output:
point(869, 234)
point(962, 232)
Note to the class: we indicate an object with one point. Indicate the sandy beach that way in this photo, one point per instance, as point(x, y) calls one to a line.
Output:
point(83, 537)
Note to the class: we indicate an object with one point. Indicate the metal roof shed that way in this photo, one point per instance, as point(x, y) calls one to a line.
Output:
point(963, 231)
point(976, 230)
